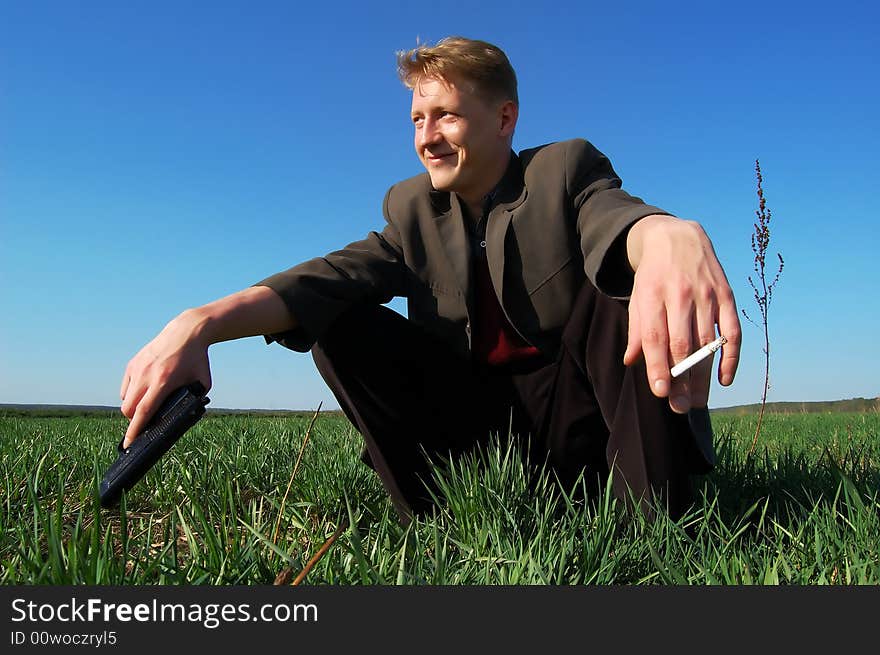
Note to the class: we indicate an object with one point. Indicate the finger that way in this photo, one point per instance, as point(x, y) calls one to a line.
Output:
point(133, 395)
point(633, 337)
point(655, 346)
point(145, 409)
point(126, 380)
point(701, 374)
point(680, 392)
point(681, 338)
point(730, 328)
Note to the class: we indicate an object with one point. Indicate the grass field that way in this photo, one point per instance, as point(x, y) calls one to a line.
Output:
point(216, 510)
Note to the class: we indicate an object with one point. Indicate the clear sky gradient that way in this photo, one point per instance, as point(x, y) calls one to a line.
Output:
point(155, 156)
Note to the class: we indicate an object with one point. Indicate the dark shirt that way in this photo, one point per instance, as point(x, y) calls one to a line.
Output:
point(494, 341)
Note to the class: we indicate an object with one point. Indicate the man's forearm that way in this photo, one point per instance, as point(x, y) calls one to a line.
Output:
point(250, 312)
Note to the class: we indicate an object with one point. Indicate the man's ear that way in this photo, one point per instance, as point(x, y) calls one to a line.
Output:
point(508, 112)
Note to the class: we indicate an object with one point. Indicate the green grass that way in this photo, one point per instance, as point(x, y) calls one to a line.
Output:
point(804, 510)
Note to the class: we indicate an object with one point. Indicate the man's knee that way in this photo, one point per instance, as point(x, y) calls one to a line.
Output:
point(360, 337)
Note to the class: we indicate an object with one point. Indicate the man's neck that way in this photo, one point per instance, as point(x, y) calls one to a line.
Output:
point(476, 202)
point(474, 212)
point(474, 209)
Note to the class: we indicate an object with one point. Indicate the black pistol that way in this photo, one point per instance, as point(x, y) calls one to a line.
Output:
point(178, 413)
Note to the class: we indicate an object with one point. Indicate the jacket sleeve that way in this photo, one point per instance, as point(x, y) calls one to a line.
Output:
point(605, 212)
point(319, 290)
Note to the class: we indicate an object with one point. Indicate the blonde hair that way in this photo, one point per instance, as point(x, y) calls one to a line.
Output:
point(457, 59)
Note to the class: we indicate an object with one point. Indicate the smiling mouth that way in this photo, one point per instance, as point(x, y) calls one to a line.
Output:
point(438, 158)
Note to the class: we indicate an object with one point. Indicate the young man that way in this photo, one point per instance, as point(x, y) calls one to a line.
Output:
point(541, 297)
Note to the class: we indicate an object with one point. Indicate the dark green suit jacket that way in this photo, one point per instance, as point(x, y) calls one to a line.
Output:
point(559, 216)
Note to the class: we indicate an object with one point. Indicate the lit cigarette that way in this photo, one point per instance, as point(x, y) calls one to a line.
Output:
point(697, 357)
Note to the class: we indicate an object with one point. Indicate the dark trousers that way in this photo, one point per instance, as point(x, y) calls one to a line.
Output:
point(582, 412)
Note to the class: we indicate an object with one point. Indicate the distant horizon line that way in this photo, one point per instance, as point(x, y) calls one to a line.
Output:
point(109, 408)
point(116, 408)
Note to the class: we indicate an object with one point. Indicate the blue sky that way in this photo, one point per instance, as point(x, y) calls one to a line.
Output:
point(155, 156)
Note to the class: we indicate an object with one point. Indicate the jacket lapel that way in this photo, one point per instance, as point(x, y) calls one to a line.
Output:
point(453, 237)
point(512, 193)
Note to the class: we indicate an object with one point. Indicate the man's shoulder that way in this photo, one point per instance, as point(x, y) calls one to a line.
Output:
point(575, 161)
point(556, 151)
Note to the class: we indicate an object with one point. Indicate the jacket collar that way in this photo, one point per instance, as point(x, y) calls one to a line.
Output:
point(511, 190)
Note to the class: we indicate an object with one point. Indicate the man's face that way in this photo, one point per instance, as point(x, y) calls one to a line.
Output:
point(461, 139)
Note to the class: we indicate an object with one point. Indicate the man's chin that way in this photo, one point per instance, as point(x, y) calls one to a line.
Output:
point(441, 183)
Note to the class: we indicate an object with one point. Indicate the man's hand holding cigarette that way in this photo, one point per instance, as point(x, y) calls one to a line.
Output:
point(680, 294)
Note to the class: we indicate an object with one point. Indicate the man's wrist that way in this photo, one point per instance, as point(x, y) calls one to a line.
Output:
point(636, 238)
point(199, 323)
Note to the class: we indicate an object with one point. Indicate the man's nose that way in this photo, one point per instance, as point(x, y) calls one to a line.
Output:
point(429, 134)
